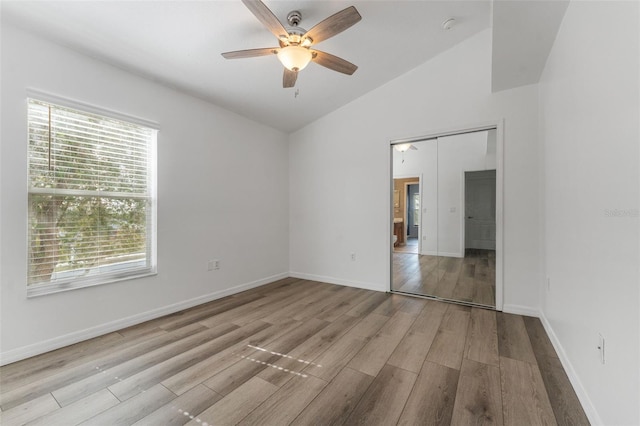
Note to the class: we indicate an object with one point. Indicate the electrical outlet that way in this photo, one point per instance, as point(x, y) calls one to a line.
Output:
point(216, 264)
point(353, 257)
point(601, 347)
point(210, 265)
point(548, 283)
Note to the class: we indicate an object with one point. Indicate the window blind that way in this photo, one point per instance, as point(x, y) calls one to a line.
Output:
point(91, 198)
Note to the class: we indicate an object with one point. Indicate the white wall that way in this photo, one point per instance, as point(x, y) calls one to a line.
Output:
point(589, 98)
point(340, 171)
point(222, 194)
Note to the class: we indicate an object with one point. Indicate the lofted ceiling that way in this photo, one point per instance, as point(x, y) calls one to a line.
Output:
point(523, 34)
point(178, 43)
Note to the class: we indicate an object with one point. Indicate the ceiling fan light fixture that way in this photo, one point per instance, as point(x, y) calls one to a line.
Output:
point(403, 147)
point(294, 58)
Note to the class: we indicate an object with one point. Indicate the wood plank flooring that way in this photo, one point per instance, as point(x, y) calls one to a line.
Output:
point(305, 353)
point(470, 279)
point(410, 246)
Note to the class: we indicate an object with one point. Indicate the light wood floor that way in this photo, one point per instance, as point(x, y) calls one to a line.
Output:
point(470, 279)
point(411, 246)
point(301, 352)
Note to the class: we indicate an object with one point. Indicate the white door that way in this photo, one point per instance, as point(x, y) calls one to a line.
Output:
point(413, 210)
point(480, 209)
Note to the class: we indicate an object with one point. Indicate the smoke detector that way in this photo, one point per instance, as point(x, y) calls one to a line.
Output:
point(448, 24)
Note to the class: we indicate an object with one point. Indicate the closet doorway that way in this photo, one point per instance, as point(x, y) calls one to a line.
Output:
point(453, 217)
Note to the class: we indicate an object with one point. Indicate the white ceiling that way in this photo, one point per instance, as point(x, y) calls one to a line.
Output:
point(178, 43)
point(523, 34)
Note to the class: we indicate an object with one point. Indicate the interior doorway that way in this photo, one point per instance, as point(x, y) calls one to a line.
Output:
point(480, 210)
point(454, 216)
point(406, 222)
point(413, 211)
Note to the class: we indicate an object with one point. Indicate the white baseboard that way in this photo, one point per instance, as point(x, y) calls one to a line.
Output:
point(89, 333)
point(338, 281)
point(587, 404)
point(442, 254)
point(452, 254)
point(520, 310)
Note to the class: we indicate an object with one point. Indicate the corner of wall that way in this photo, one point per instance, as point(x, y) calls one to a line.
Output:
point(520, 310)
point(337, 281)
point(587, 404)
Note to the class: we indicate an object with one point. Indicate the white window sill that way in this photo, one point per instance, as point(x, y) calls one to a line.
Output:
point(45, 289)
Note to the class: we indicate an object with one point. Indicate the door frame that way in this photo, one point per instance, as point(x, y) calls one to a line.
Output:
point(463, 223)
point(498, 125)
point(406, 222)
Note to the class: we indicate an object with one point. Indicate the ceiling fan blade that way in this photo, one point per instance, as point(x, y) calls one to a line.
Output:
point(250, 53)
point(289, 78)
point(333, 62)
point(266, 16)
point(334, 24)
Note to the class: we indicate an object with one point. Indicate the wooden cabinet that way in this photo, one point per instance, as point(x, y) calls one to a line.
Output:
point(398, 230)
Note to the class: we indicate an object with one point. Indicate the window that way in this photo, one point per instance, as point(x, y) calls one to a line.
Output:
point(416, 209)
point(91, 199)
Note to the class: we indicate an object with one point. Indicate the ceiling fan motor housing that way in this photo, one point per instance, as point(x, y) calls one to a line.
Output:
point(294, 17)
point(294, 31)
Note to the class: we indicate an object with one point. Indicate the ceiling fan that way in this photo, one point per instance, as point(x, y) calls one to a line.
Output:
point(295, 51)
point(404, 147)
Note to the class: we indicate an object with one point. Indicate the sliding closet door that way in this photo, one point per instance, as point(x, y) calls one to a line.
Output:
point(467, 218)
point(414, 214)
point(457, 234)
